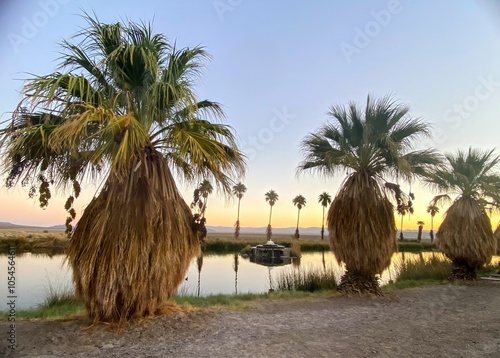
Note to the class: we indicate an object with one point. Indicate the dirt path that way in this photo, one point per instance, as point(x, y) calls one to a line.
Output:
point(439, 321)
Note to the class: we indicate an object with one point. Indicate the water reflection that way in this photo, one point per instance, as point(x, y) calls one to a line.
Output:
point(227, 274)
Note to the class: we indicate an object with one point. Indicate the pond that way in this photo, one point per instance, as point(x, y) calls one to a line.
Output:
point(37, 275)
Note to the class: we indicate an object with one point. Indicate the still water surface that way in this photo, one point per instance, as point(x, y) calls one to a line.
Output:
point(37, 274)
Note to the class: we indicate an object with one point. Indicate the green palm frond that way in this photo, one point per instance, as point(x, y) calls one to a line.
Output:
point(470, 173)
point(378, 140)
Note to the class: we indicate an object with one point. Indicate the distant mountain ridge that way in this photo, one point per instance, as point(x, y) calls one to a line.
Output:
point(316, 231)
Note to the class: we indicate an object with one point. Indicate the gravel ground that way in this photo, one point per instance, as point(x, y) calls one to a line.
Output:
point(437, 321)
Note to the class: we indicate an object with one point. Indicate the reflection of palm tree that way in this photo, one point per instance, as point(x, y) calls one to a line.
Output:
point(199, 265)
point(271, 197)
point(122, 108)
point(432, 209)
point(420, 228)
point(236, 263)
point(465, 235)
point(238, 190)
point(299, 201)
point(271, 289)
point(324, 199)
point(371, 144)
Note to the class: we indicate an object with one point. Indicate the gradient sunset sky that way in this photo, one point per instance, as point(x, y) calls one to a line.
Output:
point(277, 67)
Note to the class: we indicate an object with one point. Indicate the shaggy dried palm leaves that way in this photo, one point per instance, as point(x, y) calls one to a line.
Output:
point(466, 237)
point(362, 232)
point(126, 263)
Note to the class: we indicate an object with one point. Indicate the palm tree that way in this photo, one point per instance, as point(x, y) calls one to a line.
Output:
point(324, 199)
point(205, 189)
point(401, 209)
point(371, 144)
point(432, 209)
point(238, 190)
point(271, 197)
point(420, 228)
point(121, 108)
point(465, 235)
point(299, 201)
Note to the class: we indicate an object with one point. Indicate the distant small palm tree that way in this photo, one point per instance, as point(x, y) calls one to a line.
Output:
point(324, 199)
point(238, 190)
point(466, 236)
point(271, 197)
point(432, 209)
point(420, 228)
point(299, 201)
point(401, 209)
point(206, 189)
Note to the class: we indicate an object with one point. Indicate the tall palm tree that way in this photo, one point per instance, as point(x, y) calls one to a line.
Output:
point(371, 144)
point(324, 199)
point(420, 229)
point(432, 209)
point(238, 190)
point(299, 201)
point(271, 197)
point(121, 108)
point(465, 235)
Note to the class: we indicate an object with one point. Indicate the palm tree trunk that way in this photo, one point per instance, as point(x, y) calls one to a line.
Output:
point(270, 213)
point(432, 229)
point(401, 237)
point(323, 225)
point(297, 234)
point(238, 218)
point(237, 229)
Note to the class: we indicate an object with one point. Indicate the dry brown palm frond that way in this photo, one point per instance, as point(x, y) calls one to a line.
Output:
point(465, 236)
point(496, 235)
point(133, 243)
point(361, 226)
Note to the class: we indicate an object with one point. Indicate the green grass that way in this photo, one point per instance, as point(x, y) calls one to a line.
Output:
point(436, 268)
point(415, 246)
point(57, 304)
point(307, 279)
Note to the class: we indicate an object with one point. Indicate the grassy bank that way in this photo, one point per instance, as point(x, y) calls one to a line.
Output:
point(53, 243)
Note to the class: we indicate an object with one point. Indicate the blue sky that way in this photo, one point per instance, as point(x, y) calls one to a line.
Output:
point(277, 67)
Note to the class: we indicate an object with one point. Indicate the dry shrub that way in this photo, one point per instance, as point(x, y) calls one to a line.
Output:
point(362, 229)
point(133, 243)
point(465, 236)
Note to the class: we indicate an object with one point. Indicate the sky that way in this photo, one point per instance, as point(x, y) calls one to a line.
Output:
point(277, 67)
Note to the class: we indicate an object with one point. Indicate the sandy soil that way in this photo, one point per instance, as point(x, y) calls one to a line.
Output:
point(437, 321)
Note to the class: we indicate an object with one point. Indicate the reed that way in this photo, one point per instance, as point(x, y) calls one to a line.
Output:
point(308, 279)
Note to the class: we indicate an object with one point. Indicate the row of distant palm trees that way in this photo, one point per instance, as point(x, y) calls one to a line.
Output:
point(205, 189)
point(121, 110)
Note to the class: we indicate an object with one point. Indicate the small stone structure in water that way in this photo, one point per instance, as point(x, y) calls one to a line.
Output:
point(270, 254)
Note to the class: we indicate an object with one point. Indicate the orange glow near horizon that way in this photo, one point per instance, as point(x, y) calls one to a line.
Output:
point(17, 208)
